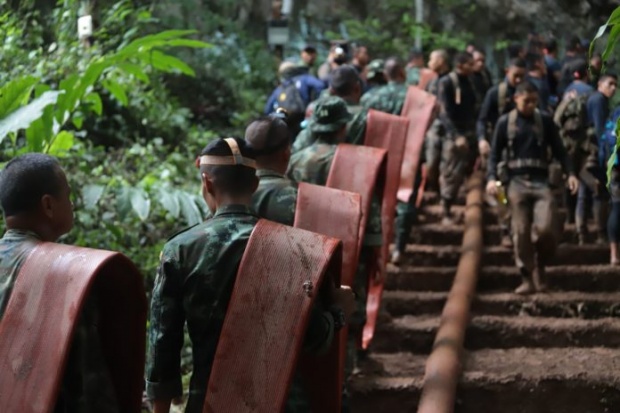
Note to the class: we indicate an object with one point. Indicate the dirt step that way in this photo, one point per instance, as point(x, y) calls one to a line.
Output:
point(437, 256)
point(561, 278)
point(437, 234)
point(520, 380)
point(432, 213)
point(415, 334)
point(561, 305)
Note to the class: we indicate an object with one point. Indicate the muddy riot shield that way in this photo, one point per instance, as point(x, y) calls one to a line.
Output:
point(362, 169)
point(388, 132)
point(337, 214)
point(426, 77)
point(283, 272)
point(419, 107)
point(42, 314)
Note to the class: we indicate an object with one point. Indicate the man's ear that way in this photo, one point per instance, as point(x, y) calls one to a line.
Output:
point(47, 205)
point(207, 185)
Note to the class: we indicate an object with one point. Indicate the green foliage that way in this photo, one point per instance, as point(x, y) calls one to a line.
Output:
point(612, 30)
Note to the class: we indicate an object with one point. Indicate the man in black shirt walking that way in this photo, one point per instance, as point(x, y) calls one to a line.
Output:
point(527, 135)
point(457, 98)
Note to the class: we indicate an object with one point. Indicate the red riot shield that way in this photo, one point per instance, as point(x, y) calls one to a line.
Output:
point(426, 77)
point(337, 214)
point(388, 132)
point(41, 316)
point(278, 282)
point(418, 108)
point(362, 169)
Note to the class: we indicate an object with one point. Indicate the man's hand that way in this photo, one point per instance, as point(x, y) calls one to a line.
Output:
point(461, 143)
point(344, 298)
point(492, 188)
point(573, 184)
point(484, 147)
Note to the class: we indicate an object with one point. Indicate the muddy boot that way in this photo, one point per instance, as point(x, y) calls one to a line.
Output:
point(447, 218)
point(527, 286)
point(540, 279)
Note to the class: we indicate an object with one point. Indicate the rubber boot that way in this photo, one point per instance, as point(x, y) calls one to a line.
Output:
point(447, 219)
point(527, 286)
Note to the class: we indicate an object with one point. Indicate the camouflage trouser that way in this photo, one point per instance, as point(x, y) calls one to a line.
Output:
point(456, 164)
point(432, 149)
point(535, 226)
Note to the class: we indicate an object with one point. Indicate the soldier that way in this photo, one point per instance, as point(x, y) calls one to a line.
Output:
point(537, 74)
point(329, 128)
point(35, 198)
point(416, 63)
point(196, 276)
point(345, 83)
point(308, 58)
point(482, 77)
point(391, 97)
point(361, 58)
point(312, 165)
point(438, 62)
point(276, 196)
point(375, 78)
point(457, 98)
point(497, 102)
point(528, 135)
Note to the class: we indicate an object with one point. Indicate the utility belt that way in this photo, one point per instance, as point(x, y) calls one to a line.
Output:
point(529, 168)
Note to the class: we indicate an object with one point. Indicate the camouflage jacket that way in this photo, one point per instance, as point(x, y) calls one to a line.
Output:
point(276, 197)
point(312, 165)
point(194, 282)
point(86, 385)
point(389, 98)
point(356, 129)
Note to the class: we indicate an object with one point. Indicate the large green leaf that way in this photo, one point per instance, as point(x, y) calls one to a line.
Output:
point(94, 100)
point(141, 203)
point(117, 91)
point(189, 209)
point(133, 199)
point(24, 116)
point(42, 129)
point(91, 194)
point(61, 144)
point(15, 94)
point(170, 201)
point(614, 23)
point(135, 70)
point(155, 40)
point(167, 63)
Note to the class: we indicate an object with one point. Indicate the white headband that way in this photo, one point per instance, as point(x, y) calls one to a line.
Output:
point(235, 159)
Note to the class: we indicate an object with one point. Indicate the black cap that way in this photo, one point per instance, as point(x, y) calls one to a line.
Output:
point(309, 49)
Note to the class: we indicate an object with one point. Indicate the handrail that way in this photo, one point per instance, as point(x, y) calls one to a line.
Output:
point(443, 367)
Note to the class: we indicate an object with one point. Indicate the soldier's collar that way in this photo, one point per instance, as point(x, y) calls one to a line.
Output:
point(233, 209)
point(263, 173)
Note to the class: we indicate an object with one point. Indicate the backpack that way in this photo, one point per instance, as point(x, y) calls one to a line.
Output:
point(607, 142)
point(290, 99)
point(502, 98)
point(571, 117)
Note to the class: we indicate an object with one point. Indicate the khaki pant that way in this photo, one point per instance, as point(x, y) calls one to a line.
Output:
point(535, 226)
point(432, 150)
point(456, 165)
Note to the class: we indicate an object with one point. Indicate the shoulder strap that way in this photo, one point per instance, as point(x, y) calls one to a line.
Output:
point(512, 131)
point(457, 87)
point(502, 92)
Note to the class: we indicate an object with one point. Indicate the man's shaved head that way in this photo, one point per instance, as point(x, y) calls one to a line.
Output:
point(394, 69)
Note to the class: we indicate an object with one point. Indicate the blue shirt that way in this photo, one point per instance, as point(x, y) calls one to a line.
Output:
point(309, 88)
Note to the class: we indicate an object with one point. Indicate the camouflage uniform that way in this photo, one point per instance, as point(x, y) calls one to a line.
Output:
point(434, 136)
point(276, 197)
point(194, 284)
point(374, 76)
point(356, 129)
point(86, 386)
point(389, 98)
point(413, 76)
